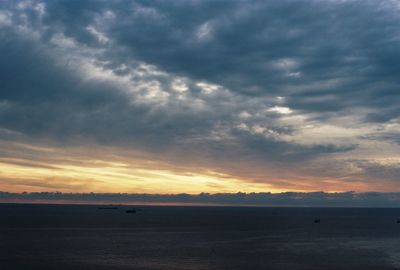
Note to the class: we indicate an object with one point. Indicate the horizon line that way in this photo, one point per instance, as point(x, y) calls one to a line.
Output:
point(289, 199)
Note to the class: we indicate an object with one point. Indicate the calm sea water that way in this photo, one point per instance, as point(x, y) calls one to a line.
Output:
point(84, 237)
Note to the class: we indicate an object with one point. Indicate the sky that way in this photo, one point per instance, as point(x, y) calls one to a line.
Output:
point(193, 96)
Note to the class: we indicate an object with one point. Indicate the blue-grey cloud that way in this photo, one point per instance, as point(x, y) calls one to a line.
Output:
point(302, 48)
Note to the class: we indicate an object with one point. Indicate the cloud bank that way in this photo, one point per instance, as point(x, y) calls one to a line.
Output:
point(293, 199)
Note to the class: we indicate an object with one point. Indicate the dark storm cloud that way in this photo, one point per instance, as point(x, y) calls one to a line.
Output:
point(309, 50)
point(40, 98)
point(324, 58)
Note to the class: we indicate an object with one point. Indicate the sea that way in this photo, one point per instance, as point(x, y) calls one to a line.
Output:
point(77, 237)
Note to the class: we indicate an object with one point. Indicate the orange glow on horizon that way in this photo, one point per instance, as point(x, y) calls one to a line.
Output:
point(120, 179)
point(98, 169)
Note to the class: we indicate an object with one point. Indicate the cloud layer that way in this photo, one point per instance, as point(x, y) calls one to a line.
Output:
point(294, 199)
point(296, 95)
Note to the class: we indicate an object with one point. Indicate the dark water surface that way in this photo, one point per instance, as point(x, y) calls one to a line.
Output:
point(83, 237)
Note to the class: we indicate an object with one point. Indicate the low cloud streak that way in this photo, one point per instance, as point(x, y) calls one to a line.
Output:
point(314, 199)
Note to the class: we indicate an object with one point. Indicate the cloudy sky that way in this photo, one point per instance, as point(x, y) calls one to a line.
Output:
point(199, 96)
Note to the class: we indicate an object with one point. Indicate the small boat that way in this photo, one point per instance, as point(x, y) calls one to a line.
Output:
point(317, 220)
point(130, 211)
point(398, 221)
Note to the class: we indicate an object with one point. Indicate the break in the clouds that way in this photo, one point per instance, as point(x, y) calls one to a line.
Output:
point(199, 95)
